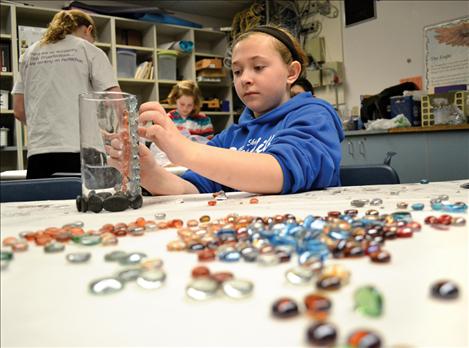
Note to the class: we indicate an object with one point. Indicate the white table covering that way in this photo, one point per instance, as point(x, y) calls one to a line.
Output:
point(45, 300)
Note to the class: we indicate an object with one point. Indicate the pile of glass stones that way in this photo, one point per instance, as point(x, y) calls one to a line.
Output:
point(206, 285)
point(146, 273)
point(113, 202)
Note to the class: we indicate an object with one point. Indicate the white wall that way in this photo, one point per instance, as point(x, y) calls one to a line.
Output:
point(379, 52)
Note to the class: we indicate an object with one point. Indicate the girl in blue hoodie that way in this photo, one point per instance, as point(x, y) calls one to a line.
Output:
point(280, 145)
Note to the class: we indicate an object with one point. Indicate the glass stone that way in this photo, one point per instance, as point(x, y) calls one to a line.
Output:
point(445, 290)
point(424, 181)
point(4, 265)
point(19, 246)
point(132, 258)
point(458, 221)
point(206, 255)
point(90, 240)
point(249, 254)
point(299, 275)
point(6, 255)
point(253, 200)
point(152, 279)
point(376, 201)
point(268, 259)
point(358, 203)
point(78, 257)
point(329, 282)
point(129, 275)
point(54, 247)
point(222, 277)
point(204, 218)
point(318, 306)
point(368, 301)
point(200, 271)
point(417, 206)
point(160, 216)
point(322, 334)
point(152, 264)
point(115, 255)
point(202, 288)
point(176, 245)
point(136, 231)
point(443, 197)
point(220, 195)
point(402, 205)
point(9, 241)
point(105, 286)
point(364, 339)
point(381, 256)
point(238, 288)
point(285, 308)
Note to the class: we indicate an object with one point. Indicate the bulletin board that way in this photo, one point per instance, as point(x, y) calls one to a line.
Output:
point(446, 53)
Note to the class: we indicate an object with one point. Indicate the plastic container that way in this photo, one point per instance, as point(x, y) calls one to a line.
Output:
point(126, 63)
point(459, 99)
point(110, 166)
point(167, 61)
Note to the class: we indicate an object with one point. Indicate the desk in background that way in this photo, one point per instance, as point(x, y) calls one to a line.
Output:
point(45, 300)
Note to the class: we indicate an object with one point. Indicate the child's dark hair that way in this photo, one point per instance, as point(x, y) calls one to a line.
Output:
point(189, 88)
point(305, 84)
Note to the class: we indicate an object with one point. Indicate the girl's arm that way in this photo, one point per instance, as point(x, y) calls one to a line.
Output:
point(244, 171)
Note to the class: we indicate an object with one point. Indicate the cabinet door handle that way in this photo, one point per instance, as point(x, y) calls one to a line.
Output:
point(361, 148)
point(350, 148)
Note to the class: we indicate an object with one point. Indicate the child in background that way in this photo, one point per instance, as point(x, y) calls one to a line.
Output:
point(301, 85)
point(280, 145)
point(187, 116)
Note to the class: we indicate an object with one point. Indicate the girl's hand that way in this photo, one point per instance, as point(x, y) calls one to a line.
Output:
point(163, 132)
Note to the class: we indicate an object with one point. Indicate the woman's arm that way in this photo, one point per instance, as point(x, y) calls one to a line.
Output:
point(18, 107)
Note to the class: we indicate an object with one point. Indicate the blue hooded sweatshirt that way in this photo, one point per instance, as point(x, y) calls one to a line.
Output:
point(303, 134)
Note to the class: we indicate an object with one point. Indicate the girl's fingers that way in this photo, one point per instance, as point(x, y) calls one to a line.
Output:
point(113, 153)
point(152, 106)
point(153, 116)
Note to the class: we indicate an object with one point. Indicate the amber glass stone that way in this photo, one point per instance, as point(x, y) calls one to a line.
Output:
point(222, 276)
point(9, 241)
point(204, 218)
point(43, 239)
point(212, 203)
point(317, 306)
point(329, 283)
point(285, 308)
point(29, 236)
point(192, 223)
point(381, 256)
point(322, 334)
point(140, 222)
point(363, 339)
point(200, 271)
point(20, 246)
point(445, 290)
point(206, 255)
point(402, 205)
point(120, 232)
point(176, 245)
point(253, 200)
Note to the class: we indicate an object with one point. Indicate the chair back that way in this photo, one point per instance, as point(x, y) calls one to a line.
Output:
point(368, 174)
point(39, 189)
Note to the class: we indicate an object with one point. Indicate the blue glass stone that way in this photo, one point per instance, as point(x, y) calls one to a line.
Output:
point(402, 216)
point(308, 220)
point(338, 235)
point(459, 207)
point(318, 224)
point(436, 205)
point(417, 206)
point(285, 240)
point(230, 256)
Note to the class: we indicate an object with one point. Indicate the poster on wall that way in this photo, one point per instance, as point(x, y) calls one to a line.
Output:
point(446, 50)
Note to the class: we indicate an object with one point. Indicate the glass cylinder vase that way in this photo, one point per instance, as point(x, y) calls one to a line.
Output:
point(110, 166)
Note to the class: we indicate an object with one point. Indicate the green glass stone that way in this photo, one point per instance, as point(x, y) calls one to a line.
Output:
point(6, 255)
point(369, 301)
point(54, 247)
point(90, 240)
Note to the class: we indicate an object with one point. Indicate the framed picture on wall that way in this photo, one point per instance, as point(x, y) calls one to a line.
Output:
point(446, 47)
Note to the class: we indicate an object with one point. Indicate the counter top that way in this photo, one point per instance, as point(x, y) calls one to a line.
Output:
point(45, 300)
point(439, 128)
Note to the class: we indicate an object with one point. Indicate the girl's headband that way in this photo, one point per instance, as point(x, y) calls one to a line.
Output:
point(280, 36)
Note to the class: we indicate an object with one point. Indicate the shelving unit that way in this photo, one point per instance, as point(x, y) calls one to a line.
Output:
point(155, 38)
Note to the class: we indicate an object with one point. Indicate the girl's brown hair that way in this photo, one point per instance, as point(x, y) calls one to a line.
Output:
point(65, 23)
point(284, 51)
point(188, 88)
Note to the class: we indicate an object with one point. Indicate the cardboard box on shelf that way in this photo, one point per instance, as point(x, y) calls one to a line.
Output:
point(209, 63)
point(211, 73)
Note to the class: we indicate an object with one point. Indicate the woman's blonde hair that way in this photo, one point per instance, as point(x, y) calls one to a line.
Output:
point(65, 23)
point(188, 88)
point(275, 32)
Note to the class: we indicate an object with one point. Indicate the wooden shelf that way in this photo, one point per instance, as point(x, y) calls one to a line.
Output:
point(437, 128)
point(135, 81)
point(6, 74)
point(5, 36)
point(6, 112)
point(136, 48)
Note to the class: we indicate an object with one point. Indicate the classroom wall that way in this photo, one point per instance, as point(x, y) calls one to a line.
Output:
point(379, 52)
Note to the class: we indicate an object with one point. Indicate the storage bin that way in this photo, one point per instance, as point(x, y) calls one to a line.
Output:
point(167, 62)
point(459, 98)
point(408, 107)
point(126, 63)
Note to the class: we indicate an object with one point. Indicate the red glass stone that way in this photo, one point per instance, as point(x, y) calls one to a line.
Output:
point(121, 232)
point(222, 276)
point(334, 214)
point(285, 308)
point(404, 232)
point(30, 236)
point(414, 225)
point(200, 271)
point(212, 203)
point(9, 241)
point(253, 200)
point(445, 219)
point(42, 239)
point(206, 255)
point(430, 220)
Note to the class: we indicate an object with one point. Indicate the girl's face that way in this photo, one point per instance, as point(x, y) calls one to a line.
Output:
point(185, 105)
point(262, 79)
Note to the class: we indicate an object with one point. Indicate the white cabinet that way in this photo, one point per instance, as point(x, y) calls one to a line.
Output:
point(154, 36)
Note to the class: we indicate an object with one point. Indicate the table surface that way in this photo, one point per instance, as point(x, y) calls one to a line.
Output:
point(45, 300)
